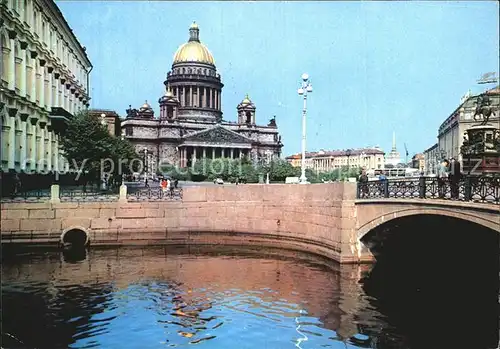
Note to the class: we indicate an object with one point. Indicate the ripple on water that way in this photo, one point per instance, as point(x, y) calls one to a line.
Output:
point(147, 300)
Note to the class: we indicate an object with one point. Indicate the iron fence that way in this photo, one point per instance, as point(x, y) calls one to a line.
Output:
point(88, 193)
point(155, 194)
point(35, 195)
point(484, 189)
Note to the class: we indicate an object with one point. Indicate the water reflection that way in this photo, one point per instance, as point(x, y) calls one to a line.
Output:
point(211, 297)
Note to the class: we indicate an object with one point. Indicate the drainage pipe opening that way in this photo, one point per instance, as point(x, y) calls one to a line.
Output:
point(74, 238)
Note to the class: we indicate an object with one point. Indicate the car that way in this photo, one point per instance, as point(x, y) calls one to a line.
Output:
point(218, 181)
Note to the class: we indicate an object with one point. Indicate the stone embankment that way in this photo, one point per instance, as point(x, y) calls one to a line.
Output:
point(315, 218)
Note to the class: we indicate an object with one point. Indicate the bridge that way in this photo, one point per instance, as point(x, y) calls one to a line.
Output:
point(327, 219)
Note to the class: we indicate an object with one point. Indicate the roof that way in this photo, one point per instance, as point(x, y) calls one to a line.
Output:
point(108, 112)
point(338, 153)
point(83, 50)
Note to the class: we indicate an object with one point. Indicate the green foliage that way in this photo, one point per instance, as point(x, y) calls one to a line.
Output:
point(279, 169)
point(340, 174)
point(87, 143)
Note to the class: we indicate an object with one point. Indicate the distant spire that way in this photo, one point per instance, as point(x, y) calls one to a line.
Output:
point(393, 141)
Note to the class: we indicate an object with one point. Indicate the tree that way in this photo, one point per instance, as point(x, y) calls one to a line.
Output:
point(87, 145)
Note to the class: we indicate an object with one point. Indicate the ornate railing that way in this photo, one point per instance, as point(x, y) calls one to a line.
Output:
point(484, 189)
point(155, 194)
point(36, 195)
point(87, 193)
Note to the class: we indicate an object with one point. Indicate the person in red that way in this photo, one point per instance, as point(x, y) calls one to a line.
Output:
point(164, 185)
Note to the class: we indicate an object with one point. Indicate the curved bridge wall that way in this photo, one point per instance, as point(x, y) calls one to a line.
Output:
point(316, 218)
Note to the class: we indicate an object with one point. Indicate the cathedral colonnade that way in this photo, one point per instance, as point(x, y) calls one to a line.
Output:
point(189, 154)
point(44, 80)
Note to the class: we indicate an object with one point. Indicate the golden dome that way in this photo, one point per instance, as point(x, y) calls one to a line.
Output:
point(193, 50)
point(146, 105)
point(246, 100)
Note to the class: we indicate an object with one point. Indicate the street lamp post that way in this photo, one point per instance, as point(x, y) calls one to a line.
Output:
point(304, 89)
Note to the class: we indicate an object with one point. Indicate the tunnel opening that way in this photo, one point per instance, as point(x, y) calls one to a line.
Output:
point(436, 279)
point(74, 239)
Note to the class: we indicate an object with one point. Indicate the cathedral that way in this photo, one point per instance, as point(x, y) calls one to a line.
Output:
point(190, 125)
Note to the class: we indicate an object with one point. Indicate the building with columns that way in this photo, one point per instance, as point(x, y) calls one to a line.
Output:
point(330, 160)
point(190, 125)
point(44, 81)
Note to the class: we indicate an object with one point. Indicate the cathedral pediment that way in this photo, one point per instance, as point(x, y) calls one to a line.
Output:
point(217, 134)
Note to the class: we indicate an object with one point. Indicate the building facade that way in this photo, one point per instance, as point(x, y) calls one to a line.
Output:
point(45, 80)
point(190, 125)
point(452, 130)
point(432, 159)
point(418, 162)
point(108, 118)
point(330, 160)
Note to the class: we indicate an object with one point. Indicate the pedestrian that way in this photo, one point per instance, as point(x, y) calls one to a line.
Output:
point(163, 186)
point(455, 175)
point(442, 178)
point(363, 184)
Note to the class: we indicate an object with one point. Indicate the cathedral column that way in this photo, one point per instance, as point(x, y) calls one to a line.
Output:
point(204, 101)
point(209, 104)
point(198, 97)
point(24, 140)
point(222, 152)
point(12, 62)
point(194, 156)
point(204, 152)
point(22, 88)
point(218, 100)
point(232, 153)
point(213, 153)
point(191, 95)
point(183, 96)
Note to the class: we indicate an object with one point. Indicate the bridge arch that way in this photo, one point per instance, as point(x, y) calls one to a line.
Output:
point(76, 236)
point(369, 226)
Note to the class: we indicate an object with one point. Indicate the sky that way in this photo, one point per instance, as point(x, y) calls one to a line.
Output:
point(376, 67)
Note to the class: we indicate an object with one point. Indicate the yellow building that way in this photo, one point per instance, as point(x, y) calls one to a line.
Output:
point(44, 81)
point(329, 160)
point(296, 160)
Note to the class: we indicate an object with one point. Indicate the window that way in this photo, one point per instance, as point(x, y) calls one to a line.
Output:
point(129, 131)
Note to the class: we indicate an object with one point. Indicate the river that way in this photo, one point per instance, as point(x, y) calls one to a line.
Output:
point(183, 297)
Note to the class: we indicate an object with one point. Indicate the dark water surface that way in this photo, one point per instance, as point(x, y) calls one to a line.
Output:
point(219, 298)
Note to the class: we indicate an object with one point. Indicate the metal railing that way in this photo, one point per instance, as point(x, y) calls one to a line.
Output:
point(155, 194)
point(88, 193)
point(484, 189)
point(34, 195)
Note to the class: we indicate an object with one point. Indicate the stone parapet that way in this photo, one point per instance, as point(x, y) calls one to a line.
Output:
point(316, 218)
